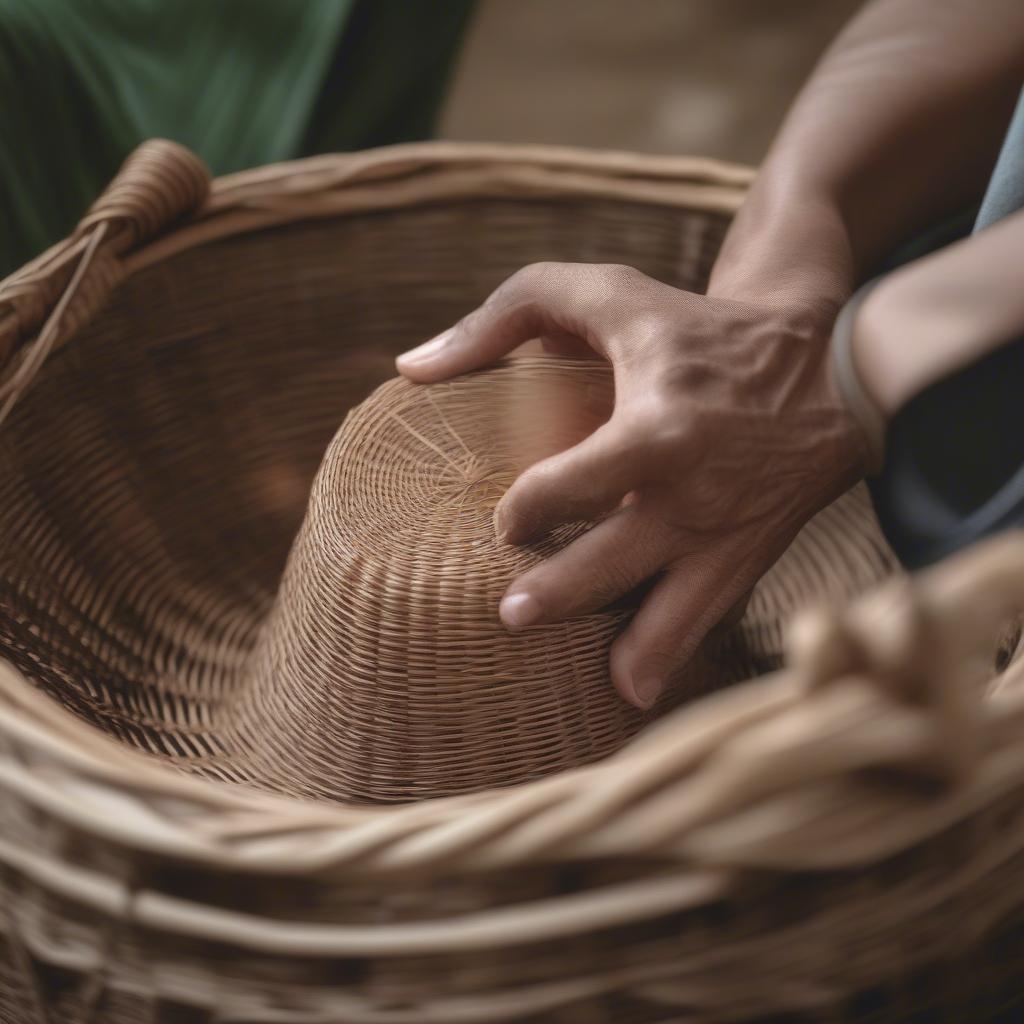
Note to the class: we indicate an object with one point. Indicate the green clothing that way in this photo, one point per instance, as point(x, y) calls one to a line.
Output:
point(240, 82)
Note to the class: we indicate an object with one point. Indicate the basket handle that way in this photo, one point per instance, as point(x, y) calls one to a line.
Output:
point(925, 640)
point(45, 302)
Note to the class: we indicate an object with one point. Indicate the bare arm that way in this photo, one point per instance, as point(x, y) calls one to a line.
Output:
point(898, 127)
point(728, 433)
point(938, 314)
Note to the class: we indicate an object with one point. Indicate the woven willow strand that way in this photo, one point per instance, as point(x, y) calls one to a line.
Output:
point(782, 733)
point(779, 847)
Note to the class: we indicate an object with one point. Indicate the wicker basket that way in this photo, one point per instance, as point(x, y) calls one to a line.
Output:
point(839, 840)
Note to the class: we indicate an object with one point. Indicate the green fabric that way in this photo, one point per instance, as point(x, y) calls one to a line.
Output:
point(397, 55)
point(241, 82)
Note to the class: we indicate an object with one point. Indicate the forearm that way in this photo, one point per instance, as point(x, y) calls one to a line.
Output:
point(939, 314)
point(898, 127)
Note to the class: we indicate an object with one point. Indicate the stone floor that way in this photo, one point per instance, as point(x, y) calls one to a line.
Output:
point(706, 77)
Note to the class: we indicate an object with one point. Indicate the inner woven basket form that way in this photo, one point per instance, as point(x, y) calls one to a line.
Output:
point(176, 371)
point(383, 672)
point(146, 542)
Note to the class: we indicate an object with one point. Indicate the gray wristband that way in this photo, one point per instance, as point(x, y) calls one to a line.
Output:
point(859, 403)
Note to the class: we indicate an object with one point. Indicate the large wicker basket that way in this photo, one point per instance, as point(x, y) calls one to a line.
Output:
point(842, 839)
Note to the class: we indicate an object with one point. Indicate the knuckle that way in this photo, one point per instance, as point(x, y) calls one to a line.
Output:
point(526, 503)
point(473, 322)
point(514, 508)
point(635, 655)
point(541, 268)
point(658, 331)
point(622, 275)
point(647, 336)
point(536, 484)
point(613, 579)
point(574, 588)
point(660, 429)
point(670, 428)
point(523, 296)
point(532, 277)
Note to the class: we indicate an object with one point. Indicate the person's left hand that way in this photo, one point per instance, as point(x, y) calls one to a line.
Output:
point(726, 436)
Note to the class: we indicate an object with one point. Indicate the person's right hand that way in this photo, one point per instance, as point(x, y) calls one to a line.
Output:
point(726, 436)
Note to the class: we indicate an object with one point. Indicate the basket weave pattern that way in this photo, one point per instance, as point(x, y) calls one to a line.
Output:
point(815, 833)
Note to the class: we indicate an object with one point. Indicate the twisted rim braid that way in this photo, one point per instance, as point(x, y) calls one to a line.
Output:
point(159, 183)
point(162, 182)
point(812, 833)
point(61, 291)
point(549, 818)
point(767, 774)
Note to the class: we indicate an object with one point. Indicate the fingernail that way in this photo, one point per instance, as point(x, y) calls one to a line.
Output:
point(428, 349)
point(500, 524)
point(519, 610)
point(647, 690)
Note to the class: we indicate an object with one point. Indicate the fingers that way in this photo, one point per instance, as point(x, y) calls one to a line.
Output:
point(597, 568)
point(677, 614)
point(477, 340)
point(556, 300)
point(577, 485)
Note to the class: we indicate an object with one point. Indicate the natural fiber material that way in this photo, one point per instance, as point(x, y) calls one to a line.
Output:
point(157, 538)
point(841, 840)
point(383, 671)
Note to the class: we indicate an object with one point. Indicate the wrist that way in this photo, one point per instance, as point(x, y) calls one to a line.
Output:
point(859, 401)
point(790, 253)
point(887, 377)
point(940, 313)
point(787, 248)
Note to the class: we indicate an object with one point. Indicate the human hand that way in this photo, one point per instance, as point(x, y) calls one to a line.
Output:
point(726, 436)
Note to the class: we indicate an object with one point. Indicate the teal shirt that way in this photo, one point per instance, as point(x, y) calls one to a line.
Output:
point(241, 82)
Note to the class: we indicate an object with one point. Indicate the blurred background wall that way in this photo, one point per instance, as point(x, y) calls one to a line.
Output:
point(704, 77)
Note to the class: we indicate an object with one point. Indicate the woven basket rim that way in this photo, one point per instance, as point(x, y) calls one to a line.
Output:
point(772, 726)
point(163, 202)
point(77, 774)
point(205, 211)
point(405, 174)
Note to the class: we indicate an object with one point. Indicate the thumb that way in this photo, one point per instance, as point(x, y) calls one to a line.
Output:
point(532, 303)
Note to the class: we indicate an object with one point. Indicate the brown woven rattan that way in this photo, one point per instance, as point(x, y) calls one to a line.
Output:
point(192, 722)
